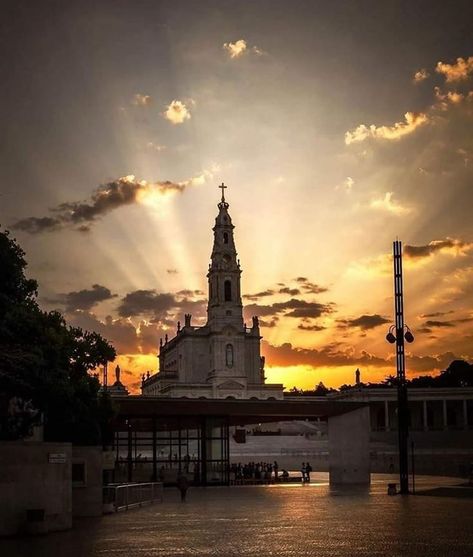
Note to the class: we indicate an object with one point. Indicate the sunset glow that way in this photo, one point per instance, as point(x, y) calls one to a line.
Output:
point(330, 150)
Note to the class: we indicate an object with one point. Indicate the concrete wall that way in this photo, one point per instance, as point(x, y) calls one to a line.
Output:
point(349, 447)
point(87, 495)
point(35, 476)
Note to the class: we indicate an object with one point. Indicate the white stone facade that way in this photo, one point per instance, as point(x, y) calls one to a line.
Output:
point(221, 359)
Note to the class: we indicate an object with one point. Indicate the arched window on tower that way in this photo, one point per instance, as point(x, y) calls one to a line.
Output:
point(229, 355)
point(225, 237)
point(227, 287)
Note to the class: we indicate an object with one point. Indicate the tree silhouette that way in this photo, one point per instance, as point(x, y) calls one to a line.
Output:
point(44, 364)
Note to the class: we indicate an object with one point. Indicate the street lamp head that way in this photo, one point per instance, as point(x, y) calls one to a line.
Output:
point(390, 338)
point(409, 336)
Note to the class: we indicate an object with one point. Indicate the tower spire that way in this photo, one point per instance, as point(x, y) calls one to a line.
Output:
point(225, 306)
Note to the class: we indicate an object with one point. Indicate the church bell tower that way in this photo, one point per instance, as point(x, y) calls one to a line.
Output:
point(225, 307)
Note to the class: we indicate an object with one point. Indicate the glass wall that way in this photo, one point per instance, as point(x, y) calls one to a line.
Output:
point(153, 450)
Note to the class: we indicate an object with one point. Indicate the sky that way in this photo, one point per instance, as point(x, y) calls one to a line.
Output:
point(337, 127)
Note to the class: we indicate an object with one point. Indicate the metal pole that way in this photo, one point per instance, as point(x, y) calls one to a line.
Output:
point(402, 407)
point(155, 463)
point(130, 454)
point(413, 468)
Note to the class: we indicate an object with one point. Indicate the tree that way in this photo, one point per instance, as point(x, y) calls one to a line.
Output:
point(44, 364)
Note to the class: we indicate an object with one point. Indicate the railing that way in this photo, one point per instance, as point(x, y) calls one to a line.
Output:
point(126, 496)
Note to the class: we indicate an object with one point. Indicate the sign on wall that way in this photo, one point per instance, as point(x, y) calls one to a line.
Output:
point(57, 458)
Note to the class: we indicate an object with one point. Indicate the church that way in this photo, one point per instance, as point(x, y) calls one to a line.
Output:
point(221, 359)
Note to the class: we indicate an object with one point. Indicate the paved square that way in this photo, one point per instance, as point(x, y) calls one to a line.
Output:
point(265, 521)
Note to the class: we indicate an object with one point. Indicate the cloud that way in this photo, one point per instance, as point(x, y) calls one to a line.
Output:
point(290, 291)
point(334, 355)
point(430, 363)
point(236, 49)
point(417, 256)
point(450, 246)
point(457, 71)
point(258, 295)
point(120, 332)
point(240, 48)
point(307, 327)
point(84, 299)
point(436, 314)
point(364, 322)
point(186, 293)
point(141, 100)
point(162, 307)
point(439, 324)
point(172, 271)
point(146, 302)
point(421, 75)
point(412, 121)
point(445, 100)
point(177, 112)
point(310, 287)
point(386, 203)
point(290, 308)
point(106, 198)
point(302, 308)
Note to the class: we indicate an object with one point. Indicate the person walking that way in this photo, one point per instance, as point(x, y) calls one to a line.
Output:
point(308, 470)
point(182, 485)
point(303, 472)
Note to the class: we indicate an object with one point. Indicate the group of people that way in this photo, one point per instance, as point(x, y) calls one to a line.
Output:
point(258, 471)
point(267, 471)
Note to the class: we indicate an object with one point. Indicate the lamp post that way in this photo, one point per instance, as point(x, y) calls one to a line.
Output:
point(396, 335)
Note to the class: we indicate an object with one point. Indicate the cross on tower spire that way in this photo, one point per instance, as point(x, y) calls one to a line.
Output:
point(223, 187)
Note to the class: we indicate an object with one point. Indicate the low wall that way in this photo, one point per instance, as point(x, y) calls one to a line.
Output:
point(35, 476)
point(87, 481)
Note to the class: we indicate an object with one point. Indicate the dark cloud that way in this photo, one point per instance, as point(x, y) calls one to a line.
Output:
point(258, 295)
point(435, 246)
point(161, 307)
point(436, 314)
point(290, 308)
point(106, 198)
point(335, 355)
point(302, 308)
point(172, 271)
point(258, 310)
point(364, 322)
point(308, 327)
point(120, 332)
point(430, 324)
point(310, 287)
point(305, 287)
point(427, 364)
point(188, 293)
point(84, 299)
point(331, 355)
point(290, 291)
point(146, 302)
